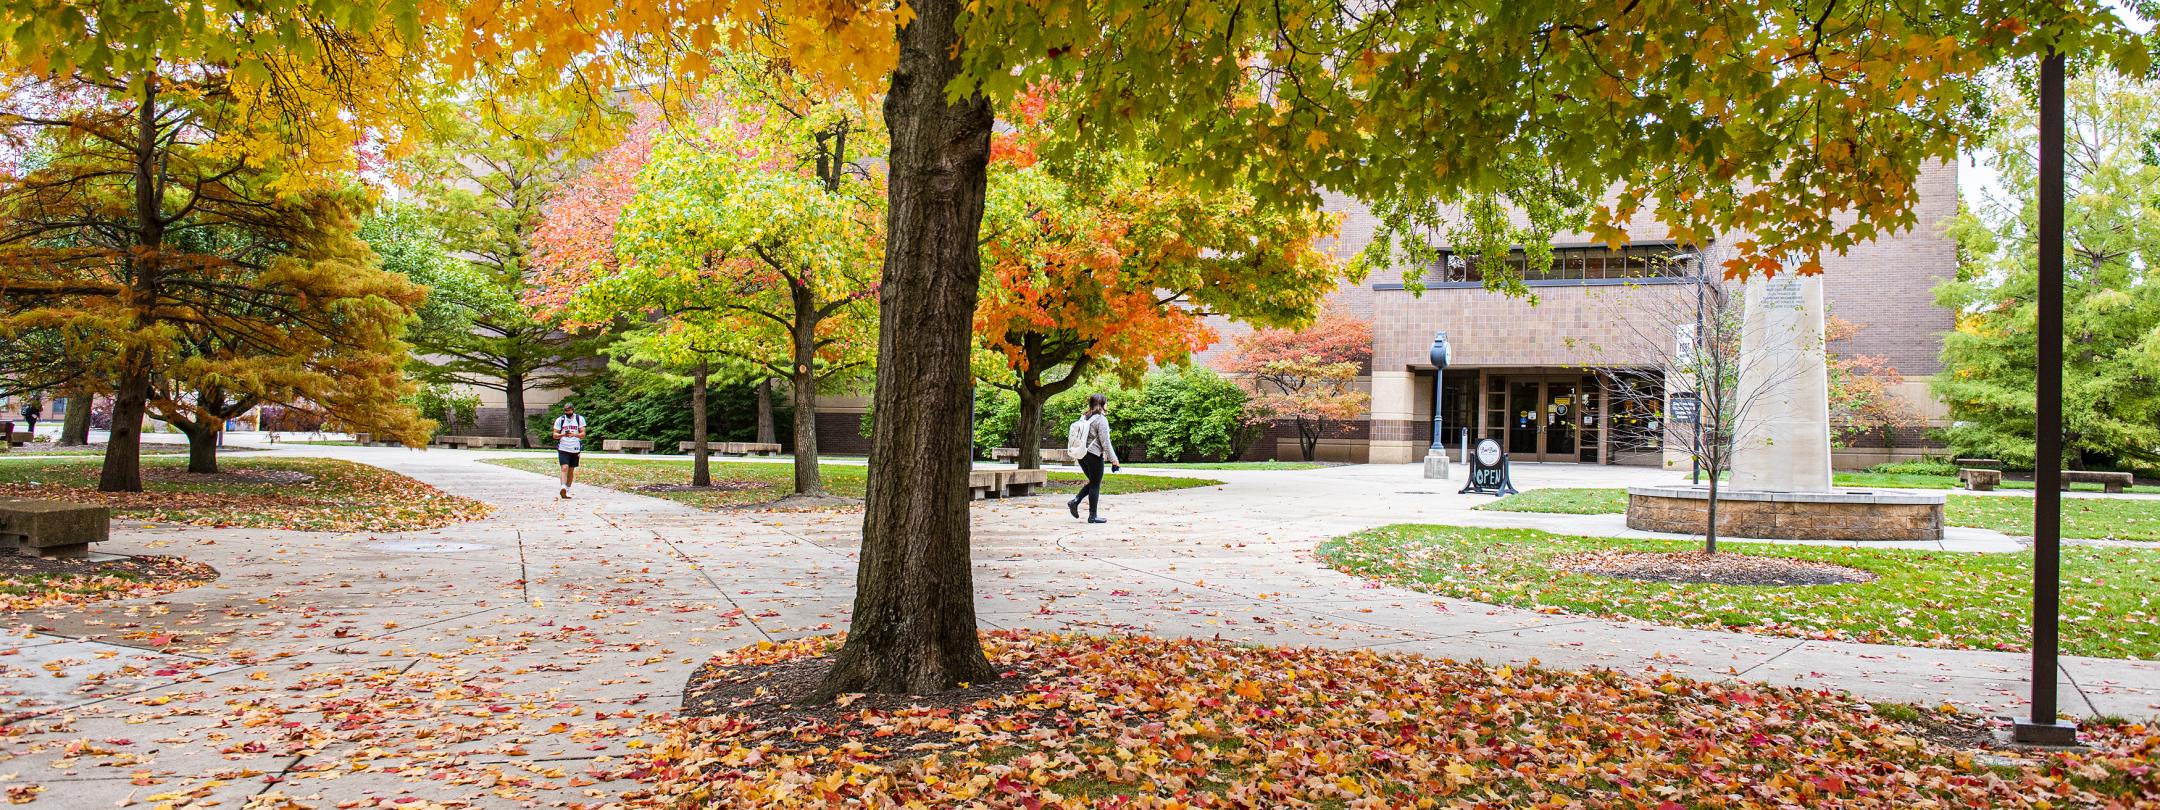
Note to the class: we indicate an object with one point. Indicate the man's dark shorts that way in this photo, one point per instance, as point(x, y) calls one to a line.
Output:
point(567, 459)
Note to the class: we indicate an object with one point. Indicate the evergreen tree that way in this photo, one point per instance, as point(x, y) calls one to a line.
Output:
point(2111, 302)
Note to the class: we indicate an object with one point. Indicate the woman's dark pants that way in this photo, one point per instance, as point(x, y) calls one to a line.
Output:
point(1092, 465)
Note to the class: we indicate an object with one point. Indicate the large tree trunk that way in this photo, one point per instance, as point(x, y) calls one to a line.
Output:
point(202, 443)
point(131, 393)
point(914, 618)
point(1028, 433)
point(75, 425)
point(804, 377)
point(700, 452)
point(123, 449)
point(514, 403)
point(766, 432)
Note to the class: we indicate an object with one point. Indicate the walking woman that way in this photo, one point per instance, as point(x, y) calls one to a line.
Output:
point(1089, 440)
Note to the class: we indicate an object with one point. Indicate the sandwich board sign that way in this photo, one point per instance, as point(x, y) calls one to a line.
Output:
point(1489, 470)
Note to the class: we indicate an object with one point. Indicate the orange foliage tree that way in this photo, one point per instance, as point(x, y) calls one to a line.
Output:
point(1098, 261)
point(1305, 376)
point(1861, 401)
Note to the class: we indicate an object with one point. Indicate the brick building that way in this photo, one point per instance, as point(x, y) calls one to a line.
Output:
point(1519, 369)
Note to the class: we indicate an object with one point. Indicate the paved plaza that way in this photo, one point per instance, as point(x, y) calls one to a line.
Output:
point(523, 649)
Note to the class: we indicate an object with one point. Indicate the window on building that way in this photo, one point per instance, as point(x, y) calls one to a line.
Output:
point(1575, 264)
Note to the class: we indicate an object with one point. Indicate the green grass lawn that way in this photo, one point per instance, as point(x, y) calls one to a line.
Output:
point(1233, 465)
point(307, 494)
point(1931, 599)
point(1911, 481)
point(777, 480)
point(2083, 518)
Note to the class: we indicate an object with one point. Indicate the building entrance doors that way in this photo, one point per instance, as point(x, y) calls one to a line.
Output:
point(1545, 419)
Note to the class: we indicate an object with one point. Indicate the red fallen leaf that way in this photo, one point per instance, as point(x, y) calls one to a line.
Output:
point(160, 640)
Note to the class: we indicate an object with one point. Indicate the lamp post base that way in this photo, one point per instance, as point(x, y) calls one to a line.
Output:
point(1436, 465)
point(2030, 732)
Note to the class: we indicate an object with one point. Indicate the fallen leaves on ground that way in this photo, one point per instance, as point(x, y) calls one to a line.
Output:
point(28, 583)
point(1145, 722)
point(1944, 599)
point(306, 494)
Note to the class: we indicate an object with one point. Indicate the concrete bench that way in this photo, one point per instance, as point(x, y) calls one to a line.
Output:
point(454, 441)
point(1980, 480)
point(18, 438)
point(1979, 464)
point(1005, 483)
point(1048, 456)
point(53, 528)
point(2108, 481)
point(626, 446)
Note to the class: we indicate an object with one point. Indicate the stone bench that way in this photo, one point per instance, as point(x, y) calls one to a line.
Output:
point(1979, 463)
point(626, 446)
point(990, 484)
point(2108, 481)
point(1980, 479)
point(1012, 454)
point(53, 528)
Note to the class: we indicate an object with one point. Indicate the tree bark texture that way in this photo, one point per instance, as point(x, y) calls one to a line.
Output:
point(202, 441)
point(1030, 428)
point(766, 433)
point(514, 405)
point(701, 453)
point(123, 449)
point(914, 619)
point(75, 425)
point(804, 377)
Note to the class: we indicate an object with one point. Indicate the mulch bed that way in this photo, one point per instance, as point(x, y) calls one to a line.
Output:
point(56, 582)
point(717, 486)
point(1698, 568)
point(772, 696)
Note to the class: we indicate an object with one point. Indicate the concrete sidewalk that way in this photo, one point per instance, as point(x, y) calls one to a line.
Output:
point(470, 663)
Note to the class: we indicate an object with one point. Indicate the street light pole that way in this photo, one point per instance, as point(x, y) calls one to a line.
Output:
point(1436, 460)
point(2043, 727)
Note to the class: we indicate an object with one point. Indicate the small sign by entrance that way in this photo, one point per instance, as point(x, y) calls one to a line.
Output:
point(1489, 470)
point(1686, 407)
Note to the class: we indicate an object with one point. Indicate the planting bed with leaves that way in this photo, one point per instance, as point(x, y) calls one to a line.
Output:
point(2082, 518)
point(1142, 722)
point(32, 583)
point(306, 494)
point(1942, 599)
point(749, 483)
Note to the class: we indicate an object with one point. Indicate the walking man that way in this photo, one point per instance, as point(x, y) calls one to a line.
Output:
point(569, 442)
point(30, 414)
point(1089, 440)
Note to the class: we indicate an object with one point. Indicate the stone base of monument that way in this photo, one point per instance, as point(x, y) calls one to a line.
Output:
point(1849, 515)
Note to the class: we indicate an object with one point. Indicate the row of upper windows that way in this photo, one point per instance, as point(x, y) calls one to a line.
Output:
point(1653, 260)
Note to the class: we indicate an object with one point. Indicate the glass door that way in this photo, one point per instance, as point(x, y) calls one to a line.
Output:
point(1525, 420)
point(1561, 408)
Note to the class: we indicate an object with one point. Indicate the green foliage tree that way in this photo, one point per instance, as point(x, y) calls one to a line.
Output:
point(482, 182)
point(752, 236)
point(2111, 295)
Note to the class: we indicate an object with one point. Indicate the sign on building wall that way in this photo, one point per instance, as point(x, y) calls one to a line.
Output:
point(1684, 344)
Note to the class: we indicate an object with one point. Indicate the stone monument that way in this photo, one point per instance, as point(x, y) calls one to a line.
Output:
point(1784, 438)
point(1780, 485)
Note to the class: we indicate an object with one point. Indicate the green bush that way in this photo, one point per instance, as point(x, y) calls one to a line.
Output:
point(452, 412)
point(1931, 466)
point(658, 411)
point(1188, 413)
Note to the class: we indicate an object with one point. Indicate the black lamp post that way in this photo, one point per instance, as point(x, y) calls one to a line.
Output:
point(2042, 727)
point(1436, 460)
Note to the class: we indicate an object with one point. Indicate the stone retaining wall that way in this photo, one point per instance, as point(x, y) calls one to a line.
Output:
point(1806, 518)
